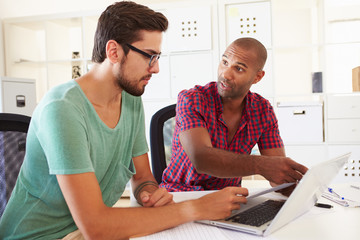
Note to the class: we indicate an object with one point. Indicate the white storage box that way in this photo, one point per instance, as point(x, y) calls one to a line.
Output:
point(301, 122)
point(18, 95)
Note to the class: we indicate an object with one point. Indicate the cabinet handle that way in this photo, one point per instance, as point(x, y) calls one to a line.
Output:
point(20, 101)
point(299, 112)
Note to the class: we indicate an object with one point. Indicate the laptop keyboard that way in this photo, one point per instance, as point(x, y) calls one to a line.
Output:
point(259, 214)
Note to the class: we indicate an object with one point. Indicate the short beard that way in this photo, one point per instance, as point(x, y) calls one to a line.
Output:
point(129, 87)
point(126, 85)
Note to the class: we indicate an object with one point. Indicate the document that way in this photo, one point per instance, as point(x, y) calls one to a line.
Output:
point(188, 231)
point(197, 231)
point(273, 189)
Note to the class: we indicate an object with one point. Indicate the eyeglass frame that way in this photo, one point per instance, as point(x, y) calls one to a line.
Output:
point(152, 57)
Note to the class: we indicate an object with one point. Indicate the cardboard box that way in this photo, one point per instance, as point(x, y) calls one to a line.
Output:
point(356, 79)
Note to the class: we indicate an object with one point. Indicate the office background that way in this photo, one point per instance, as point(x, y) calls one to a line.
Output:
point(313, 45)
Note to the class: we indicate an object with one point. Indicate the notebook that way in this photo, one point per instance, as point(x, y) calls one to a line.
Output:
point(302, 199)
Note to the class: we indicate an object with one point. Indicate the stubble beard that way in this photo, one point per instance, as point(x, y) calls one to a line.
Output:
point(129, 86)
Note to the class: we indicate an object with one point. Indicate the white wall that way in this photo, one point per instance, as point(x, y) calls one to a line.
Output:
point(24, 8)
point(21, 8)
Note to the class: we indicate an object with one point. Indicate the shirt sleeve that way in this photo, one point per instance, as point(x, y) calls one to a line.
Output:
point(190, 111)
point(61, 135)
point(270, 138)
point(140, 144)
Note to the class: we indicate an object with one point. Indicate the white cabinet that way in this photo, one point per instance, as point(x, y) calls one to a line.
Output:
point(18, 95)
point(343, 132)
point(300, 122)
point(343, 118)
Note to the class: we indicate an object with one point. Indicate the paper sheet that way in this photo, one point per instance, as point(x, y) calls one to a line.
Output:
point(197, 231)
point(188, 231)
point(284, 185)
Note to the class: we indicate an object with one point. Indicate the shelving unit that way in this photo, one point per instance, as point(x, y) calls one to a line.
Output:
point(301, 36)
point(342, 43)
point(41, 47)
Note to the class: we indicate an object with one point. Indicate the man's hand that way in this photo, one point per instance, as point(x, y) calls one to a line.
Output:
point(219, 205)
point(280, 170)
point(285, 191)
point(157, 198)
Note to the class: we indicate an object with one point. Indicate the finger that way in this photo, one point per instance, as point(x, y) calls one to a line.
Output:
point(235, 207)
point(164, 201)
point(297, 176)
point(240, 199)
point(287, 191)
point(160, 197)
point(240, 191)
point(145, 196)
point(158, 194)
point(300, 168)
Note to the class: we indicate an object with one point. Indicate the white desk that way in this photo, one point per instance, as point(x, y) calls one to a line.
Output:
point(337, 223)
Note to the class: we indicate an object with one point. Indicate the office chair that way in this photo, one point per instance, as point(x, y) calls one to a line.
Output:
point(161, 131)
point(13, 131)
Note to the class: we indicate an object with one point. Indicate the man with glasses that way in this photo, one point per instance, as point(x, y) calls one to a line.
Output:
point(86, 140)
point(153, 58)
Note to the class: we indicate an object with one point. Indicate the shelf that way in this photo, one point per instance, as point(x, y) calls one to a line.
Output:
point(301, 37)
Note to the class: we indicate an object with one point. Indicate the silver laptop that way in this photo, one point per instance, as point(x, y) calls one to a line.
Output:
point(302, 199)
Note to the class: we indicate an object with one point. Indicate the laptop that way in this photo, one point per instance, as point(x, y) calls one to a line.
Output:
point(302, 199)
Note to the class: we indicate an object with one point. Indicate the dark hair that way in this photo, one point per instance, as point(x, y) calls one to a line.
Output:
point(253, 45)
point(122, 22)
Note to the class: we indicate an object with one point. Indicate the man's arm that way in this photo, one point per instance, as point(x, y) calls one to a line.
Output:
point(97, 221)
point(225, 164)
point(278, 152)
point(146, 189)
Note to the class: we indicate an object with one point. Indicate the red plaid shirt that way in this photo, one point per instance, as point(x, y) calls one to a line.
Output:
point(201, 106)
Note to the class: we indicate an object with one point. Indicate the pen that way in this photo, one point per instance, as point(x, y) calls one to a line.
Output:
point(332, 191)
point(358, 188)
point(323, 205)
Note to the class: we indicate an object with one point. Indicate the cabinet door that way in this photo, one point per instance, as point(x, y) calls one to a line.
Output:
point(189, 70)
point(344, 130)
point(344, 106)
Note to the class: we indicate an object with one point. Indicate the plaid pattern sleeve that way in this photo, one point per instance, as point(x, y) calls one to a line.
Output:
point(270, 138)
point(190, 111)
point(202, 107)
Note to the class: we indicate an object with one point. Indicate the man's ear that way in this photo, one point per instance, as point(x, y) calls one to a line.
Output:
point(259, 75)
point(113, 51)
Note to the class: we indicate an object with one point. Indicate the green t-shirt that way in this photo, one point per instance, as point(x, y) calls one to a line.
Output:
point(66, 136)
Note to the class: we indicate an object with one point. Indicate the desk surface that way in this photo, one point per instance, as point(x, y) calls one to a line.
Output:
point(319, 223)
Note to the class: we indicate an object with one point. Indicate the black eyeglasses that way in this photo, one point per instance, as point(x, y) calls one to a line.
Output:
point(153, 58)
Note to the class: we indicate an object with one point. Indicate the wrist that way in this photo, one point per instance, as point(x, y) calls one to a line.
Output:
point(148, 186)
point(190, 210)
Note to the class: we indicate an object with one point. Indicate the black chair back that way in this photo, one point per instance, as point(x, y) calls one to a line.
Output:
point(13, 131)
point(159, 125)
